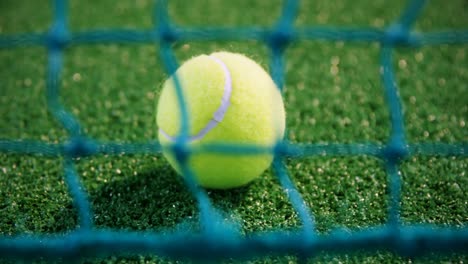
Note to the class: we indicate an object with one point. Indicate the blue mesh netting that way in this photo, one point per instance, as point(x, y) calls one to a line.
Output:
point(219, 239)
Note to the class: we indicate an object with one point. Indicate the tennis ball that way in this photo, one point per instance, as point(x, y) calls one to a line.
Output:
point(229, 99)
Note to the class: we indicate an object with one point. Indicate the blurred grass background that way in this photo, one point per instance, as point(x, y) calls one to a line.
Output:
point(333, 93)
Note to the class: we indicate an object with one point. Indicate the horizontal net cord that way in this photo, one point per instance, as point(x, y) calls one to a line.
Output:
point(93, 147)
point(112, 36)
point(411, 241)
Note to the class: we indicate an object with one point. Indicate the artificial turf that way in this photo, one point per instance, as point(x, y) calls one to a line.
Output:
point(333, 93)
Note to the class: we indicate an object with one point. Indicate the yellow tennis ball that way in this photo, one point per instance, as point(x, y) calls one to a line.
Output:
point(229, 99)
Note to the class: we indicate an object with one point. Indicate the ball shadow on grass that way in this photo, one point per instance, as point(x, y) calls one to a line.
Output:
point(156, 199)
point(151, 200)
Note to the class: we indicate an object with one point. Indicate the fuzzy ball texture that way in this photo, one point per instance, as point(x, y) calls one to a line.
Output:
point(254, 115)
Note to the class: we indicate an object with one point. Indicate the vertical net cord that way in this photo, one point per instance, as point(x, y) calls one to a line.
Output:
point(79, 195)
point(279, 39)
point(396, 143)
point(167, 36)
point(397, 147)
point(278, 42)
point(411, 13)
point(180, 147)
point(57, 40)
point(58, 37)
point(298, 203)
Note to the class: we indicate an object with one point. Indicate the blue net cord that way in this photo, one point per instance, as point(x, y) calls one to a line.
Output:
point(220, 239)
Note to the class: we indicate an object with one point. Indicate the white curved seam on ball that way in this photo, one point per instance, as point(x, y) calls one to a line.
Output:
point(220, 112)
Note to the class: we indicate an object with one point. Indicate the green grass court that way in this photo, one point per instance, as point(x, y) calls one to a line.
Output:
point(333, 93)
